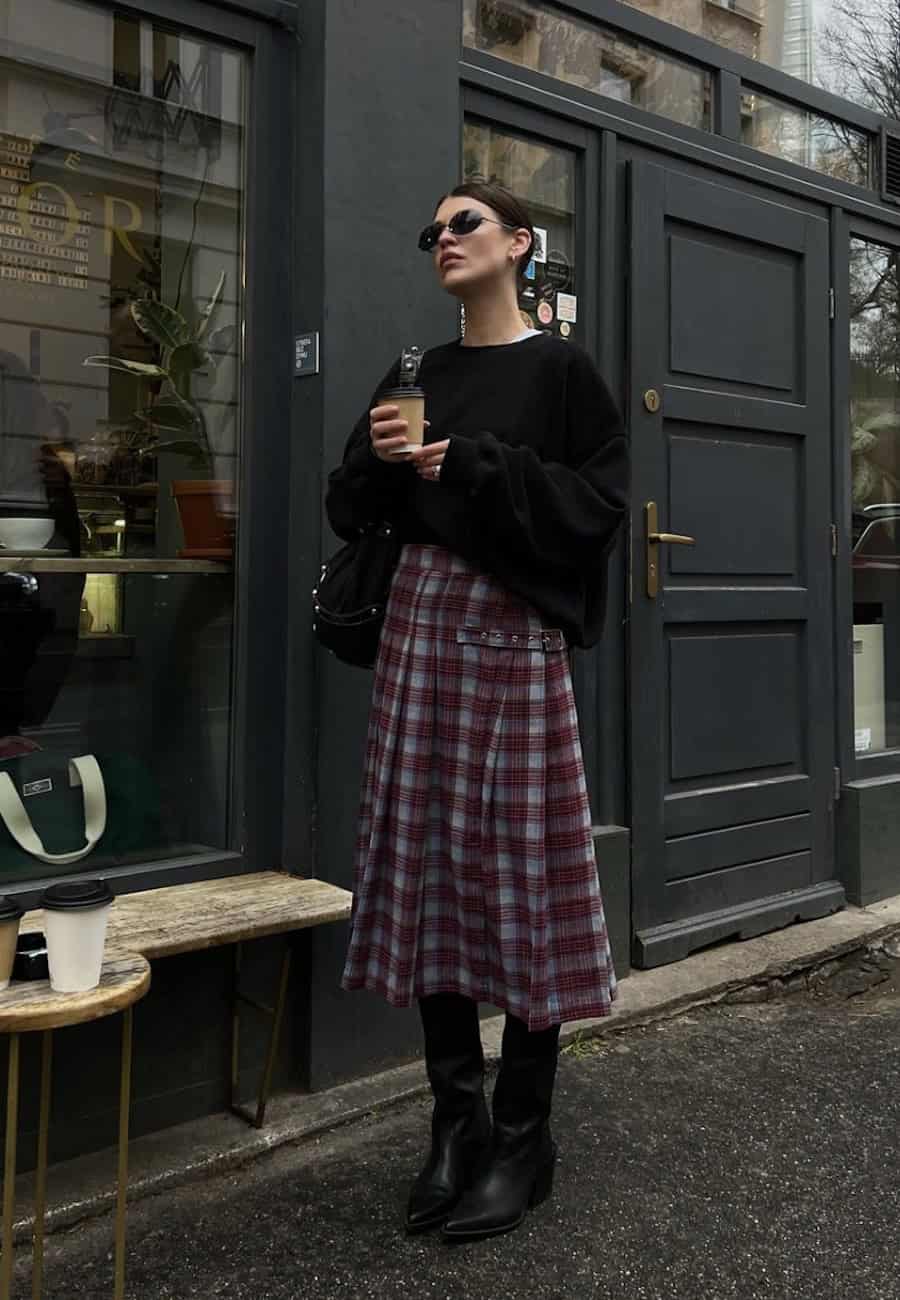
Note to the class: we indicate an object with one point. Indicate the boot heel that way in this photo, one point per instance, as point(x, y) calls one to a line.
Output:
point(543, 1182)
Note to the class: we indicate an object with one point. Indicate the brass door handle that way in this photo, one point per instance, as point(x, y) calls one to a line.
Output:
point(676, 539)
point(654, 538)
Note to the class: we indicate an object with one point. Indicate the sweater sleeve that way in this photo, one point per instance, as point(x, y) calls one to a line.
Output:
point(364, 490)
point(558, 515)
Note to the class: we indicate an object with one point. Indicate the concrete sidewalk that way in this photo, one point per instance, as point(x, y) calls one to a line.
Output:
point(732, 1152)
point(752, 970)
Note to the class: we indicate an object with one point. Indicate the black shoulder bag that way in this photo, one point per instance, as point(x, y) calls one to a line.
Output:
point(351, 597)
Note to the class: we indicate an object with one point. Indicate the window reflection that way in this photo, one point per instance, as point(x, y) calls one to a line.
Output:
point(875, 462)
point(121, 196)
point(846, 47)
point(543, 176)
point(848, 50)
point(807, 139)
point(589, 55)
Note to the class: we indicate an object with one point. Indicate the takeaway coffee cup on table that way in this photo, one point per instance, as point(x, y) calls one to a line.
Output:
point(10, 916)
point(75, 919)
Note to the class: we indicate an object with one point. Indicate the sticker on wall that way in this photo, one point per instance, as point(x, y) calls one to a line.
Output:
point(545, 313)
point(530, 272)
point(558, 270)
point(540, 244)
point(567, 307)
point(565, 329)
point(863, 739)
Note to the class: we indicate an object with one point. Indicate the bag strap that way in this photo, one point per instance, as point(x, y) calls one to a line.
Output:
point(83, 771)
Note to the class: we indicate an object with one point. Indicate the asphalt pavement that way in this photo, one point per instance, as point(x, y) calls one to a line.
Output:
point(740, 1151)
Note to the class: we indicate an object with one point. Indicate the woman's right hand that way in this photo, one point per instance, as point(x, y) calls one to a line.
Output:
point(388, 433)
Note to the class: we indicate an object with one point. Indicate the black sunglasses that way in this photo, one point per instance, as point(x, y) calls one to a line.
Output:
point(461, 223)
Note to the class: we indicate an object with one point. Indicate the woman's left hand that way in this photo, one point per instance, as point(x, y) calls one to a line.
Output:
point(429, 459)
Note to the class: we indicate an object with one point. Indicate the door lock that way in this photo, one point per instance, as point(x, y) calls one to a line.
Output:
point(652, 400)
point(653, 539)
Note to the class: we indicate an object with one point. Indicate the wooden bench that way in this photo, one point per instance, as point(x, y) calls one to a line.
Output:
point(212, 913)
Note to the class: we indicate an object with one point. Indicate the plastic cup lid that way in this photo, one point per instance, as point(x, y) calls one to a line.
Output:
point(75, 894)
point(9, 909)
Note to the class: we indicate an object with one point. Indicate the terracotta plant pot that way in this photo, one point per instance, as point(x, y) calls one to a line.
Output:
point(206, 508)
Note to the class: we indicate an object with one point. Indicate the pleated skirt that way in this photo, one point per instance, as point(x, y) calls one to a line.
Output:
point(475, 869)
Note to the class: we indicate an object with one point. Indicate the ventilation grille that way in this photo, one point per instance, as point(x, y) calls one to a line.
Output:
point(890, 171)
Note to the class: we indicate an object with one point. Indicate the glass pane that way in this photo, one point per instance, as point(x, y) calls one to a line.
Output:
point(875, 461)
point(589, 55)
point(805, 138)
point(847, 48)
point(543, 176)
point(121, 198)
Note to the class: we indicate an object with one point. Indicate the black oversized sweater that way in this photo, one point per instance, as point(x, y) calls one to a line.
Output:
point(534, 483)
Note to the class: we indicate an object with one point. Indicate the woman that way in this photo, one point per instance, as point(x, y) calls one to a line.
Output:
point(475, 875)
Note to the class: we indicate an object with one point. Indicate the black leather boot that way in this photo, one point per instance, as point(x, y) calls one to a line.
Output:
point(518, 1172)
point(460, 1125)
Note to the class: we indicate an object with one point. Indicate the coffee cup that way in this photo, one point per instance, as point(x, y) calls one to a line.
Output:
point(76, 914)
point(411, 408)
point(10, 916)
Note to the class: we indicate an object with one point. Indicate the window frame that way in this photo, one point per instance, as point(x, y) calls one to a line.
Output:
point(885, 762)
point(265, 33)
point(731, 74)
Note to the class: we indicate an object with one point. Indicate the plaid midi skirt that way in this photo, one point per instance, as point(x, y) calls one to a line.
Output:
point(475, 869)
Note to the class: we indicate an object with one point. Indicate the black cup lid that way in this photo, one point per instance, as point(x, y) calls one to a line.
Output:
point(9, 909)
point(74, 894)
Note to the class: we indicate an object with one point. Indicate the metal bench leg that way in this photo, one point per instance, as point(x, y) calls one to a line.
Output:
point(124, 1112)
point(276, 1013)
point(9, 1168)
point(40, 1189)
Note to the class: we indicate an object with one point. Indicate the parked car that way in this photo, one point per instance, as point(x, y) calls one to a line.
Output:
point(876, 554)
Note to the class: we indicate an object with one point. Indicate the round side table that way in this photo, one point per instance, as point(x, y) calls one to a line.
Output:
point(31, 1006)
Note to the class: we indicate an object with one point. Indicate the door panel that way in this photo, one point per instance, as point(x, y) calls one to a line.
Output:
point(731, 674)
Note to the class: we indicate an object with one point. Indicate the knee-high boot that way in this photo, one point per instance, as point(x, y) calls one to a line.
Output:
point(460, 1126)
point(518, 1172)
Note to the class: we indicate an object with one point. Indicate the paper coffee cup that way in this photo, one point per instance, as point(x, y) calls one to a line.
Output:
point(75, 919)
point(411, 404)
point(10, 916)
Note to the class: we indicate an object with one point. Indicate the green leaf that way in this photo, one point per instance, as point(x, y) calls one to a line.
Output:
point(210, 307)
point(131, 367)
point(163, 324)
point(169, 415)
point(189, 356)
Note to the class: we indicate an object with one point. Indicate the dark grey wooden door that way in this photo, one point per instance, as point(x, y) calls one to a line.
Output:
point(731, 672)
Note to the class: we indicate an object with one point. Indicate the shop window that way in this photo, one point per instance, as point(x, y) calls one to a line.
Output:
point(805, 138)
point(875, 463)
point(121, 227)
point(543, 177)
point(590, 55)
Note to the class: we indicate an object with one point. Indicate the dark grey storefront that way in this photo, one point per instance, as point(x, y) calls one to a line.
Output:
point(742, 773)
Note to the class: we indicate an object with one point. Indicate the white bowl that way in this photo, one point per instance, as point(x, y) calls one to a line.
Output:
point(26, 534)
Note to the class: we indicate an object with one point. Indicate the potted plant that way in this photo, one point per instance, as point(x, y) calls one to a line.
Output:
point(173, 420)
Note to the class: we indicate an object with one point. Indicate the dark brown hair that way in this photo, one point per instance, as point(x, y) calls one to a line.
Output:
point(508, 208)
